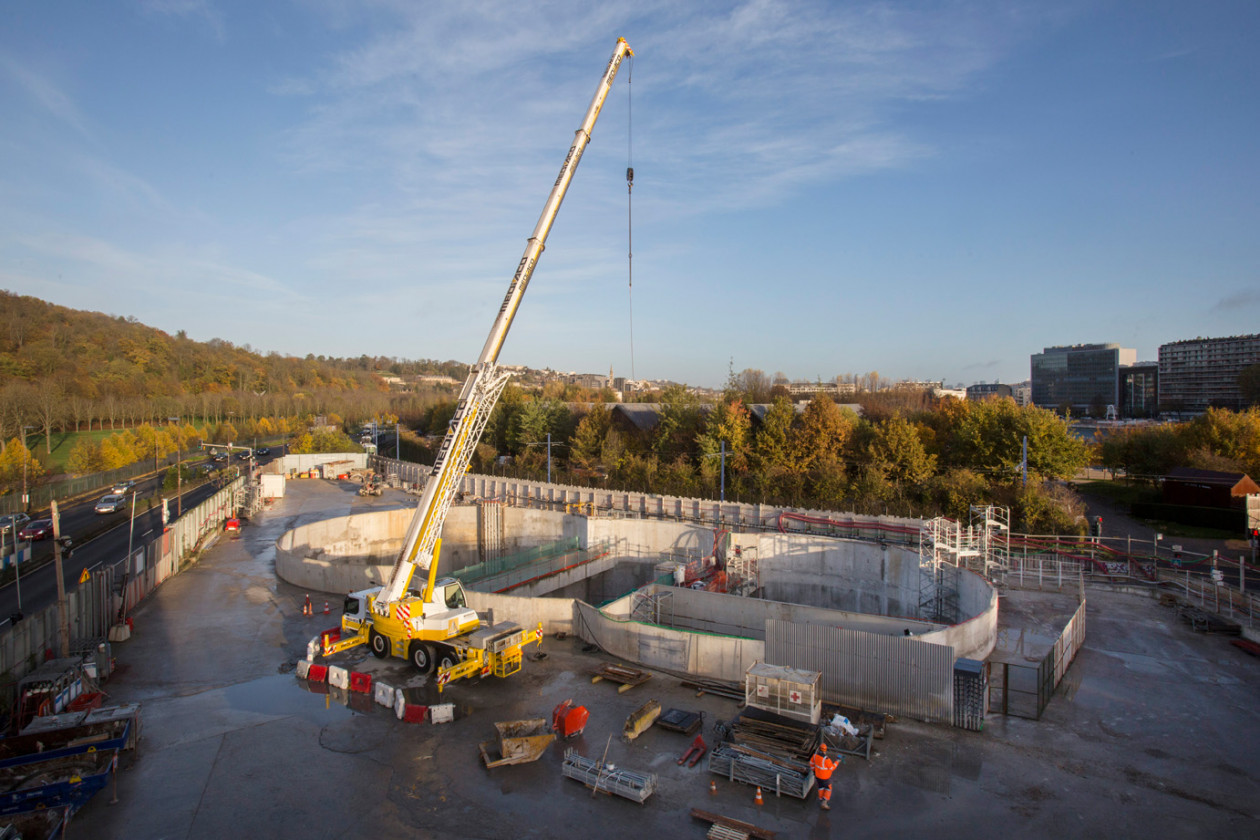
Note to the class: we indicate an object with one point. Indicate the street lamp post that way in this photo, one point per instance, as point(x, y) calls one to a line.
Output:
point(26, 457)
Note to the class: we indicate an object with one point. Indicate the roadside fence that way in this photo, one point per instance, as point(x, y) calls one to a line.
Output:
point(114, 587)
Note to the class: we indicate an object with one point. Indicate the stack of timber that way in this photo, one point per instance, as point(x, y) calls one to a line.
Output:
point(767, 750)
point(601, 776)
point(627, 676)
point(774, 734)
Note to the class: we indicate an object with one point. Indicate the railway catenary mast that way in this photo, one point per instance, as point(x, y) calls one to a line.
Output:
point(431, 625)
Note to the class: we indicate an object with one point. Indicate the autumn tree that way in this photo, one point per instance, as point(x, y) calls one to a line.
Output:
point(18, 465)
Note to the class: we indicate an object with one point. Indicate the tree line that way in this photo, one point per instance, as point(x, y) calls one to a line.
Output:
point(916, 457)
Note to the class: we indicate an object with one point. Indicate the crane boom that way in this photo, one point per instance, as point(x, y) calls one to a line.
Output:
point(485, 381)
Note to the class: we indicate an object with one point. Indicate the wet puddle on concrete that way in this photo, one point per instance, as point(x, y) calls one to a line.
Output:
point(283, 694)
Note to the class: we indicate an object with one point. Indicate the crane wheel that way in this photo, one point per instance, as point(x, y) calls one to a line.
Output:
point(446, 658)
point(379, 645)
point(421, 656)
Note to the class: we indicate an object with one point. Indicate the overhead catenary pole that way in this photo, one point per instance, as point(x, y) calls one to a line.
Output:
point(63, 613)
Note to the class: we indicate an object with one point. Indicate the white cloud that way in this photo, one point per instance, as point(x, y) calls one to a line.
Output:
point(47, 95)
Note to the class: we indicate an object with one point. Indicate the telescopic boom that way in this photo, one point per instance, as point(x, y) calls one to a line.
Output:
point(485, 381)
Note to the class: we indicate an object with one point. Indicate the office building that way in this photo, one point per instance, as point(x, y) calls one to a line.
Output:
point(1084, 377)
point(1139, 390)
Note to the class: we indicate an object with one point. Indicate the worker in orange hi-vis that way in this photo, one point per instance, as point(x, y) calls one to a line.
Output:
point(823, 768)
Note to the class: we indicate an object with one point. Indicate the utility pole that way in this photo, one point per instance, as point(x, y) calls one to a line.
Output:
point(63, 613)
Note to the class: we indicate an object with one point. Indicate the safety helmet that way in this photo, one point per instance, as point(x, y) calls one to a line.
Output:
point(822, 748)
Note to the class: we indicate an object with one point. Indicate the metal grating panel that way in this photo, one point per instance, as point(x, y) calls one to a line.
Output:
point(891, 674)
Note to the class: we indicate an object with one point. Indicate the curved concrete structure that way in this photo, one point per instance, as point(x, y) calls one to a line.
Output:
point(850, 584)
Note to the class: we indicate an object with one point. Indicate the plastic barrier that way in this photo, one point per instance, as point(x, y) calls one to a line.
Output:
point(338, 676)
point(384, 694)
point(442, 713)
point(360, 682)
point(317, 673)
point(409, 712)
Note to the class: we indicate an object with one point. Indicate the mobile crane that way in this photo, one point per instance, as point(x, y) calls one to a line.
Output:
point(436, 627)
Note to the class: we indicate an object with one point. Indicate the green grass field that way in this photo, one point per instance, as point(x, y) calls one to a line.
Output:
point(62, 443)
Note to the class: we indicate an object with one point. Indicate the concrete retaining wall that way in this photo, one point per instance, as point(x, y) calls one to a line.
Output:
point(847, 575)
point(855, 585)
point(709, 656)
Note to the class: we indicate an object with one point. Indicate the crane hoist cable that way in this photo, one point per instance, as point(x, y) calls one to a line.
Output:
point(630, 204)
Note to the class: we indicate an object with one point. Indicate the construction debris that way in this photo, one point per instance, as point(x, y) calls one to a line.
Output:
point(604, 776)
point(520, 742)
point(746, 829)
point(628, 677)
point(641, 719)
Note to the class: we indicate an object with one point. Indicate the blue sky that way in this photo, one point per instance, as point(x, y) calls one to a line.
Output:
point(929, 190)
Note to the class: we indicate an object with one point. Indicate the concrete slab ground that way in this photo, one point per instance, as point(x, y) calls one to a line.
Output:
point(1155, 733)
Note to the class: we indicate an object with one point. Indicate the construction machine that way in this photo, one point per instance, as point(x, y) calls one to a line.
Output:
point(435, 627)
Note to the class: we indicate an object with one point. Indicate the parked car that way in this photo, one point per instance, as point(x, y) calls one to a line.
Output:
point(111, 504)
point(39, 529)
point(122, 488)
point(13, 521)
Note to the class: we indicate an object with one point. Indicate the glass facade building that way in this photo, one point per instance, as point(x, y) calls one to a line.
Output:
point(1085, 377)
point(1139, 390)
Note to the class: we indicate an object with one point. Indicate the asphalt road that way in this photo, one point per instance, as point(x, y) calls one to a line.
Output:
point(37, 590)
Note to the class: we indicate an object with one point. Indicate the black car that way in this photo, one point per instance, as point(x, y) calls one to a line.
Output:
point(219, 458)
point(263, 451)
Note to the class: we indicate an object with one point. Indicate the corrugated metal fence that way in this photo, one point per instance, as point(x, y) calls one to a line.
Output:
point(92, 606)
point(892, 674)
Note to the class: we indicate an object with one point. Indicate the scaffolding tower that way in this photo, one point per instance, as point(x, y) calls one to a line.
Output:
point(945, 547)
point(991, 527)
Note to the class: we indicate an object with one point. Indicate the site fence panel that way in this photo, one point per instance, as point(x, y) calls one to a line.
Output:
point(93, 606)
point(891, 674)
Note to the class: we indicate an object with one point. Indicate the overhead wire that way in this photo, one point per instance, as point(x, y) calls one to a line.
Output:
point(630, 205)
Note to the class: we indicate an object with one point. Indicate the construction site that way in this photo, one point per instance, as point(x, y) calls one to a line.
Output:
point(236, 742)
point(376, 647)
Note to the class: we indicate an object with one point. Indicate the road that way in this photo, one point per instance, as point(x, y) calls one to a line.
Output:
point(36, 590)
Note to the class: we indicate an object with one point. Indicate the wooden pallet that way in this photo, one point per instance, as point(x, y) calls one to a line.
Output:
point(628, 677)
point(746, 829)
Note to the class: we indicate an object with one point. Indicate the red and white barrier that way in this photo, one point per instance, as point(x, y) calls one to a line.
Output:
point(409, 712)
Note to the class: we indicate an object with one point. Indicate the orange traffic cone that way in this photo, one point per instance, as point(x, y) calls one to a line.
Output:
point(759, 801)
point(712, 786)
point(307, 609)
point(326, 608)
